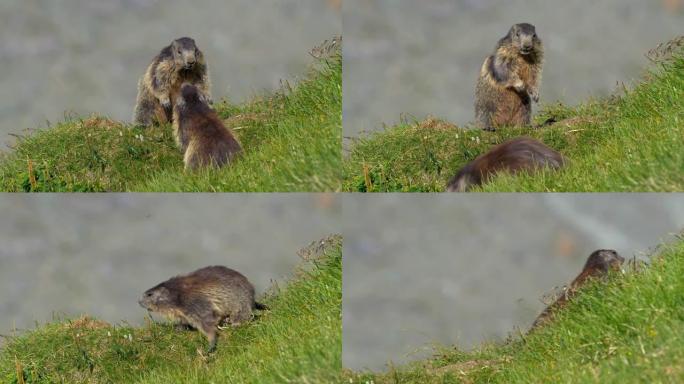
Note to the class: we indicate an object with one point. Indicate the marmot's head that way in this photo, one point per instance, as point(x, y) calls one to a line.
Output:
point(185, 53)
point(188, 94)
point(158, 299)
point(524, 37)
point(602, 261)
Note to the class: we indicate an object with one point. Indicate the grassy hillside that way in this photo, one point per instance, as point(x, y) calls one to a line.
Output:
point(629, 330)
point(291, 141)
point(299, 340)
point(632, 142)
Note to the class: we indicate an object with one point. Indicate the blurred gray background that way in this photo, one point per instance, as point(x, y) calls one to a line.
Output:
point(96, 254)
point(423, 57)
point(86, 56)
point(421, 270)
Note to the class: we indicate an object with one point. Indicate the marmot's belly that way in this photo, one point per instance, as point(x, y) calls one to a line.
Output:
point(512, 110)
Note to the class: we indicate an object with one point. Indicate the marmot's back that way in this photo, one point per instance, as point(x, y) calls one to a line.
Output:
point(515, 155)
point(599, 264)
point(201, 135)
point(225, 288)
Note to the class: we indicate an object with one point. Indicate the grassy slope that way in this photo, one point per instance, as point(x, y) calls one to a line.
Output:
point(626, 331)
point(298, 340)
point(291, 142)
point(630, 143)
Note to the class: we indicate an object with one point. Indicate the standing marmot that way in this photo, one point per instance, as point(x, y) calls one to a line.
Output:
point(598, 265)
point(515, 155)
point(200, 134)
point(510, 79)
point(177, 63)
point(204, 299)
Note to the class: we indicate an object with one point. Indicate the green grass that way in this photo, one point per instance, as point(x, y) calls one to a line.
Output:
point(627, 330)
point(299, 340)
point(291, 141)
point(632, 142)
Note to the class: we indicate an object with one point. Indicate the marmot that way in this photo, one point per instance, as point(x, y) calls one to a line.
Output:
point(515, 155)
point(510, 79)
point(200, 134)
point(203, 299)
point(598, 265)
point(179, 62)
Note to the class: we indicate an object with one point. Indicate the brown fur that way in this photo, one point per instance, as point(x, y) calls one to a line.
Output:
point(510, 79)
point(200, 134)
point(598, 265)
point(177, 63)
point(203, 299)
point(522, 153)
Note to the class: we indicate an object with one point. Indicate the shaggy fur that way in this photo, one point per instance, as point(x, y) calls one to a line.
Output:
point(177, 63)
point(203, 299)
point(510, 79)
point(202, 137)
point(522, 153)
point(598, 265)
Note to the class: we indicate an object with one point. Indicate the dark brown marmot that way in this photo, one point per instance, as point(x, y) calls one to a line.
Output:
point(204, 299)
point(515, 155)
point(200, 134)
point(510, 79)
point(598, 265)
point(177, 63)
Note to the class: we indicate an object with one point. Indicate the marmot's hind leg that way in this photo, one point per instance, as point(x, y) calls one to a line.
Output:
point(145, 110)
point(484, 119)
point(191, 158)
point(219, 157)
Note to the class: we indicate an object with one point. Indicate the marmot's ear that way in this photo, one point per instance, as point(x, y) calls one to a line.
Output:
point(162, 290)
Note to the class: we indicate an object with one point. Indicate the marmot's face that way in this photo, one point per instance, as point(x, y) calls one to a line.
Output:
point(156, 298)
point(185, 52)
point(524, 37)
point(605, 260)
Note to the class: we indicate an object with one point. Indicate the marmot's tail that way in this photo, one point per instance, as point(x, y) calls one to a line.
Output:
point(260, 306)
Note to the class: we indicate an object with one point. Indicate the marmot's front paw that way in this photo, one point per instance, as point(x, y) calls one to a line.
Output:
point(165, 102)
point(519, 86)
point(535, 96)
point(206, 98)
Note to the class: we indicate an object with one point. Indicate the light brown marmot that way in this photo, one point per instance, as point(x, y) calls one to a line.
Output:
point(510, 79)
point(203, 299)
point(598, 265)
point(177, 63)
point(515, 155)
point(200, 134)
